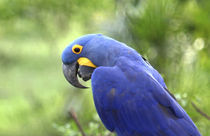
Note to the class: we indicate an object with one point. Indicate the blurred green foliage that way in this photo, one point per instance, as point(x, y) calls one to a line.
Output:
point(34, 96)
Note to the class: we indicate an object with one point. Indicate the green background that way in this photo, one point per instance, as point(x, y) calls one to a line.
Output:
point(174, 35)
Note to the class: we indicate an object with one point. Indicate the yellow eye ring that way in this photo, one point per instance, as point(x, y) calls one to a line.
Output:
point(77, 49)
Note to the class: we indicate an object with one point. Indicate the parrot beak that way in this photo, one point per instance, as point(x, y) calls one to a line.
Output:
point(83, 69)
point(70, 72)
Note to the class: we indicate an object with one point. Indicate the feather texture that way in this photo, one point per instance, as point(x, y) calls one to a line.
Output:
point(130, 101)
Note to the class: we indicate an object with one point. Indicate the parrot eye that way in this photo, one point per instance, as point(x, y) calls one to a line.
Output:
point(77, 49)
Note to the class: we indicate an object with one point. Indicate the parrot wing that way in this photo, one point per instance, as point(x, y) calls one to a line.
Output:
point(130, 101)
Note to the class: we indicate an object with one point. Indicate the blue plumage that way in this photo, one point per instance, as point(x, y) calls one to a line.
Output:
point(129, 94)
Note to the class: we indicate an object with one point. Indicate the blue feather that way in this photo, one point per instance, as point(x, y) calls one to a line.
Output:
point(129, 94)
point(130, 101)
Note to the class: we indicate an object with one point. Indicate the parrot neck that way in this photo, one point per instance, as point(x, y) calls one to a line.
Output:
point(107, 51)
point(113, 56)
point(130, 54)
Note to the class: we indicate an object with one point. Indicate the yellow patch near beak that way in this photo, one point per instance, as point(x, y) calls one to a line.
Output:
point(85, 62)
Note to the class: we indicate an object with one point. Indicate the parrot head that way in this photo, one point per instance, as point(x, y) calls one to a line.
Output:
point(85, 54)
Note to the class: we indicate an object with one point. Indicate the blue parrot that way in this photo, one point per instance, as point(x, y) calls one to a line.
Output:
point(130, 96)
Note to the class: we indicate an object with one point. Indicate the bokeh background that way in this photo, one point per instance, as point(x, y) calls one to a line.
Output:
point(174, 35)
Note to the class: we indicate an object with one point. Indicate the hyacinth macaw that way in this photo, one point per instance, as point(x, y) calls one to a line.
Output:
point(130, 96)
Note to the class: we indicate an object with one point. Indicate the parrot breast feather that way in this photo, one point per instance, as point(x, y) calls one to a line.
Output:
point(130, 101)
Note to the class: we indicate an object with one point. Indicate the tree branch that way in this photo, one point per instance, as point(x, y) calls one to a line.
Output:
point(74, 116)
point(200, 111)
point(109, 134)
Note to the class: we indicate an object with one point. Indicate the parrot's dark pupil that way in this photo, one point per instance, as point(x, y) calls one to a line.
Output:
point(77, 50)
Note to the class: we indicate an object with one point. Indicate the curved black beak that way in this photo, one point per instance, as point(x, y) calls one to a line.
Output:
point(70, 72)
